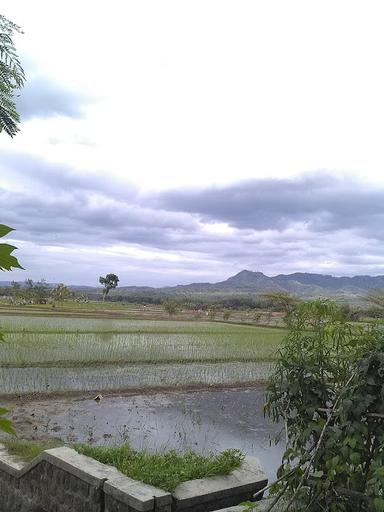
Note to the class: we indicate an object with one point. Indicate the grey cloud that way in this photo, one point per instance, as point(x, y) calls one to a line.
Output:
point(60, 206)
point(43, 97)
point(320, 200)
point(40, 175)
point(74, 220)
point(280, 225)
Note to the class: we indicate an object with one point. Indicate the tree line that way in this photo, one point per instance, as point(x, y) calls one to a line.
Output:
point(36, 292)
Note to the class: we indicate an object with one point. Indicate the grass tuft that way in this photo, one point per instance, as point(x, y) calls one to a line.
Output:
point(164, 469)
point(28, 450)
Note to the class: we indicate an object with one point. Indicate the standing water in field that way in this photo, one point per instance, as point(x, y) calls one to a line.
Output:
point(203, 421)
point(55, 354)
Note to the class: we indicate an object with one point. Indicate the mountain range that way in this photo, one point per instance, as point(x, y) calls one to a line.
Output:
point(247, 282)
point(300, 283)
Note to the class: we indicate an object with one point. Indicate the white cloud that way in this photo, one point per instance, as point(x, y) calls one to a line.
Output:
point(211, 92)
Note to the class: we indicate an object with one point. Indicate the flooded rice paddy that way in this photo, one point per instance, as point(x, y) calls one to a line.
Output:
point(51, 354)
point(140, 359)
point(203, 420)
point(116, 377)
point(86, 342)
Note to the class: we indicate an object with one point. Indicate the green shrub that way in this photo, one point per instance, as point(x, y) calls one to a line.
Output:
point(326, 390)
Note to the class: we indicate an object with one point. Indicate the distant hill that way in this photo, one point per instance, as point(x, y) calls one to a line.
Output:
point(250, 281)
point(299, 282)
point(306, 285)
point(247, 282)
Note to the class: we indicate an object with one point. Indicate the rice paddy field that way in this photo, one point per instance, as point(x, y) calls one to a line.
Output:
point(176, 383)
point(57, 353)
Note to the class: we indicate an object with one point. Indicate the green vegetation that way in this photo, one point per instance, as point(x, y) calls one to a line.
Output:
point(61, 293)
point(283, 301)
point(78, 354)
point(28, 450)
point(12, 77)
point(30, 323)
point(110, 281)
point(165, 469)
point(327, 391)
point(7, 262)
point(37, 292)
point(138, 376)
point(171, 306)
point(88, 342)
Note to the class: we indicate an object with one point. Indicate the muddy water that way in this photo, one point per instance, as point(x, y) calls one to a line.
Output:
point(201, 420)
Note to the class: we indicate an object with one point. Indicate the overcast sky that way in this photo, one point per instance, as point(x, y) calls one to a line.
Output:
point(178, 141)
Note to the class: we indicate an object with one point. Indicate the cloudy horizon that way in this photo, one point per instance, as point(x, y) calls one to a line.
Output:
point(175, 142)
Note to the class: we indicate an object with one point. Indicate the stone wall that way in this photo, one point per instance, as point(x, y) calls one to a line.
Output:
point(61, 480)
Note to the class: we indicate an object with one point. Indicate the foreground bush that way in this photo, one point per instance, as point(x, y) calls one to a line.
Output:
point(328, 391)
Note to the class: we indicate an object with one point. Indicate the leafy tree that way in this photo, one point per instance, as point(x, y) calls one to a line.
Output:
point(27, 291)
point(12, 77)
point(110, 281)
point(15, 289)
point(171, 306)
point(283, 301)
point(62, 293)
point(41, 292)
point(36, 292)
point(16, 293)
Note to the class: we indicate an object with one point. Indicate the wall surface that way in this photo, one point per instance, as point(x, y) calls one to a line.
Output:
point(61, 480)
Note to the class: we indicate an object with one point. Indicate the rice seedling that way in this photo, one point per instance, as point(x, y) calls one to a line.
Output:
point(37, 380)
point(56, 353)
point(84, 342)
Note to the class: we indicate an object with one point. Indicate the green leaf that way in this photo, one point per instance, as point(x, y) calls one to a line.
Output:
point(335, 460)
point(7, 261)
point(3, 411)
point(4, 230)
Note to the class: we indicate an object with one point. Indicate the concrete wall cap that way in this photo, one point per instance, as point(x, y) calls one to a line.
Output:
point(87, 469)
point(10, 463)
point(248, 474)
point(134, 493)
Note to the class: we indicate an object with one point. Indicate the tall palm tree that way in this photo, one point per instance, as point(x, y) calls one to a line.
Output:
point(11, 77)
